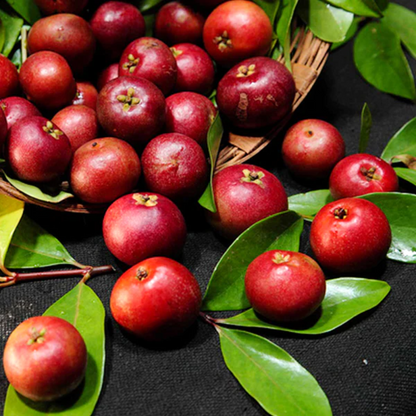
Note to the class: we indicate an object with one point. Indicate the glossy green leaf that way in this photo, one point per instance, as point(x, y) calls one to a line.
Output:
point(270, 7)
point(27, 9)
point(310, 203)
point(366, 123)
point(147, 5)
point(2, 34)
point(382, 4)
point(271, 376)
point(82, 308)
point(407, 174)
point(13, 25)
point(283, 26)
point(402, 21)
point(327, 22)
point(379, 58)
point(345, 298)
point(402, 143)
point(225, 290)
point(350, 33)
point(214, 137)
point(366, 8)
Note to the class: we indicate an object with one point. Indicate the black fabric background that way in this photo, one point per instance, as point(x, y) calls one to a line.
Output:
point(366, 368)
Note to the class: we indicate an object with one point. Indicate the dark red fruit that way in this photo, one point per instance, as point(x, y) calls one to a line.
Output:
point(142, 225)
point(115, 24)
point(284, 286)
point(256, 93)
point(156, 299)
point(86, 95)
point(107, 75)
point(150, 58)
point(3, 131)
point(175, 166)
point(48, 7)
point(45, 358)
point(17, 108)
point(9, 76)
point(350, 235)
point(244, 194)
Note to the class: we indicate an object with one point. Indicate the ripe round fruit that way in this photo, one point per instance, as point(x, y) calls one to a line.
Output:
point(284, 286)
point(107, 75)
point(311, 148)
point(362, 174)
point(45, 358)
point(3, 130)
point(350, 235)
point(244, 194)
point(142, 225)
point(17, 108)
point(48, 7)
point(256, 93)
point(156, 299)
point(237, 30)
point(9, 76)
point(86, 95)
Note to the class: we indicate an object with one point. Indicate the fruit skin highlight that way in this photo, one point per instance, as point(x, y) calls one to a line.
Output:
point(17, 108)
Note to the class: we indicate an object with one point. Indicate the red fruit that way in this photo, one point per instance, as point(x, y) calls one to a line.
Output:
point(237, 30)
point(175, 166)
point(86, 95)
point(244, 194)
point(256, 93)
point(66, 34)
point(350, 235)
point(150, 58)
point(132, 109)
point(362, 174)
point(79, 123)
point(48, 7)
point(311, 148)
point(142, 225)
point(45, 358)
point(284, 286)
point(9, 76)
point(190, 114)
point(177, 23)
point(115, 24)
point(195, 69)
point(156, 299)
point(47, 80)
point(37, 151)
point(3, 131)
point(17, 108)
point(107, 75)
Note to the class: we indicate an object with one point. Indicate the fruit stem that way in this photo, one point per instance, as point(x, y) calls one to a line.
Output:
point(208, 319)
point(24, 43)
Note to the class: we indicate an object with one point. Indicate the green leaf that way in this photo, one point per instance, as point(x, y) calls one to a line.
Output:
point(379, 58)
point(35, 192)
point(310, 203)
point(82, 308)
point(147, 5)
point(350, 34)
point(368, 8)
point(214, 137)
point(13, 25)
point(271, 376)
point(366, 123)
point(225, 290)
point(270, 7)
point(403, 142)
point(284, 20)
point(402, 21)
point(407, 174)
point(150, 22)
point(27, 9)
point(345, 298)
point(2, 34)
point(327, 22)
point(33, 247)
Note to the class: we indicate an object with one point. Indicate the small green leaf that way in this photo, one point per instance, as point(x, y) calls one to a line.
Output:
point(147, 5)
point(149, 20)
point(82, 308)
point(27, 9)
point(214, 137)
point(271, 376)
point(345, 298)
point(13, 25)
point(270, 7)
point(310, 203)
point(2, 33)
point(225, 290)
point(350, 34)
point(284, 21)
point(407, 174)
point(366, 123)
point(402, 143)
point(366, 8)
point(379, 58)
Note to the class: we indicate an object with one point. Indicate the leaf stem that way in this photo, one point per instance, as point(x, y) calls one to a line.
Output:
point(208, 319)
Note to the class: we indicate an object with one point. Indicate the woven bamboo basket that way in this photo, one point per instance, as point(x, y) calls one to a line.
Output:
point(309, 55)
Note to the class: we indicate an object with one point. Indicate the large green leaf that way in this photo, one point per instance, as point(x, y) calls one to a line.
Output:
point(407, 174)
point(13, 25)
point(379, 58)
point(283, 26)
point(345, 298)
point(366, 123)
point(2, 34)
point(402, 143)
point(350, 34)
point(366, 8)
point(27, 9)
point(310, 203)
point(271, 376)
point(270, 7)
point(225, 290)
point(82, 308)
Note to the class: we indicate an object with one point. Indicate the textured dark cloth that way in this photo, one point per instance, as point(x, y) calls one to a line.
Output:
point(367, 367)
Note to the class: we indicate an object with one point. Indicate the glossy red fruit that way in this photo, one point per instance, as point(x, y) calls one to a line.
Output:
point(177, 23)
point(66, 34)
point(86, 95)
point(142, 225)
point(150, 58)
point(311, 148)
point(37, 151)
point(79, 123)
point(48, 7)
point(17, 108)
point(256, 93)
point(9, 76)
point(284, 286)
point(362, 174)
point(115, 24)
point(47, 80)
point(350, 235)
point(244, 194)
point(3, 130)
point(156, 299)
point(175, 166)
point(237, 30)
point(45, 358)
point(195, 69)
point(107, 75)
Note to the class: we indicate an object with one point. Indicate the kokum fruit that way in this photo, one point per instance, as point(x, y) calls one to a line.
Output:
point(350, 235)
point(9, 76)
point(156, 299)
point(3, 131)
point(256, 93)
point(142, 225)
point(244, 194)
point(17, 108)
point(107, 75)
point(45, 358)
point(86, 95)
point(284, 286)
point(48, 7)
